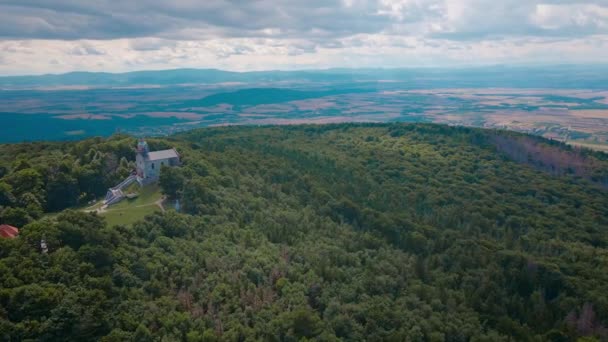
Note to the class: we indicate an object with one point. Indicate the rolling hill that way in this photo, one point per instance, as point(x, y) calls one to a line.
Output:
point(349, 232)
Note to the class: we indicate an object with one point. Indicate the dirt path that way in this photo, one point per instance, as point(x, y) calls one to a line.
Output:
point(159, 203)
point(104, 208)
point(99, 210)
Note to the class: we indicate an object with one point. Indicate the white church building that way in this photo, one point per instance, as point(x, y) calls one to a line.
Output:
point(149, 163)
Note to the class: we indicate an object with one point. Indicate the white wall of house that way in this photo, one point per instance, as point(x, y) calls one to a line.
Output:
point(152, 167)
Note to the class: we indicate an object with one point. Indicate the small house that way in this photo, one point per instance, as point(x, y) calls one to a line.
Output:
point(8, 232)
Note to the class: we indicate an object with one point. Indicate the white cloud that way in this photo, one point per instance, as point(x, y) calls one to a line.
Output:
point(40, 36)
point(574, 17)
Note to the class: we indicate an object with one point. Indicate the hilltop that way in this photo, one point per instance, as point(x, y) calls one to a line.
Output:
point(321, 232)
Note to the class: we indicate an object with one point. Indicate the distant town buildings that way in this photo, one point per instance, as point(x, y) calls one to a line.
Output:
point(8, 232)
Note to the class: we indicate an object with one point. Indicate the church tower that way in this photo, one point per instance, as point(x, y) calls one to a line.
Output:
point(140, 158)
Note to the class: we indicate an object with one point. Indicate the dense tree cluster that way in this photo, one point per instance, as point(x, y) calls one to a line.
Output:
point(342, 232)
point(36, 178)
point(554, 157)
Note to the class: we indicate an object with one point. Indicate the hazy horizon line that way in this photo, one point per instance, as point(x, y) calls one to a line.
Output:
point(370, 68)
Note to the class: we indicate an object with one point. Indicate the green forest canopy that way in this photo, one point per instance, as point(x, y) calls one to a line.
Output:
point(351, 232)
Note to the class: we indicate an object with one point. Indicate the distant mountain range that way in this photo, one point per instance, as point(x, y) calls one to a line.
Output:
point(567, 76)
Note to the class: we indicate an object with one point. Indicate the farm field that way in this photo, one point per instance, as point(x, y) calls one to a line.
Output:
point(573, 112)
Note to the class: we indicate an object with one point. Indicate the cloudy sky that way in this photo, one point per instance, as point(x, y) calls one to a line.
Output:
point(53, 36)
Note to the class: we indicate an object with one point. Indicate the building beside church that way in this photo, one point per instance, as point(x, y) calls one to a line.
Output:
point(149, 163)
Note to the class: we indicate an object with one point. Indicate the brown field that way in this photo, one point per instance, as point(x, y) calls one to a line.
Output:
point(590, 113)
point(272, 108)
point(221, 108)
point(598, 147)
point(253, 115)
point(574, 115)
point(83, 116)
point(315, 104)
point(180, 115)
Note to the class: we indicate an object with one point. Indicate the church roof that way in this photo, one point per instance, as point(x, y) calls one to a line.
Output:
point(164, 154)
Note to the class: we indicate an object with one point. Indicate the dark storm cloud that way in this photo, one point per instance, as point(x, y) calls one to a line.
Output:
point(28, 22)
point(104, 19)
point(321, 21)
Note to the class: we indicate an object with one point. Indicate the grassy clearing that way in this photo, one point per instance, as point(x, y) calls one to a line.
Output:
point(597, 147)
point(128, 216)
point(129, 211)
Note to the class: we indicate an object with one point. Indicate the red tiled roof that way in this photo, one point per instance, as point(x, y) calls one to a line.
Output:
point(7, 231)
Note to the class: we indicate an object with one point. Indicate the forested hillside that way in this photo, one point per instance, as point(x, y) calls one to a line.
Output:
point(392, 232)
